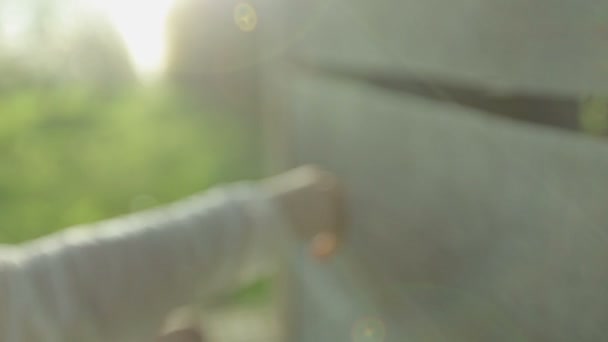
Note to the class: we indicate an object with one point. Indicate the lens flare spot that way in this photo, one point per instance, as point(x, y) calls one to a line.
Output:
point(245, 17)
point(369, 330)
point(593, 115)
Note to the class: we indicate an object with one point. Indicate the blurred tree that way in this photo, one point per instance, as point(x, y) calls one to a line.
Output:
point(69, 155)
point(97, 54)
point(51, 41)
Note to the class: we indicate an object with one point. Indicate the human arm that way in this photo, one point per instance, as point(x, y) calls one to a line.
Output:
point(117, 279)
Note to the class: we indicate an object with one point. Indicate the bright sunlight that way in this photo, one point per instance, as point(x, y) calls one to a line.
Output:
point(142, 25)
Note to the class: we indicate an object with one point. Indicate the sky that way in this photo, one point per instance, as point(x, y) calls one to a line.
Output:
point(144, 32)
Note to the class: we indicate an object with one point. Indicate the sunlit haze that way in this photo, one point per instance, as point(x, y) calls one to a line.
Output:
point(142, 26)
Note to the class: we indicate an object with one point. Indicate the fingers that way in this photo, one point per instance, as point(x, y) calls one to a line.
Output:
point(323, 246)
point(314, 202)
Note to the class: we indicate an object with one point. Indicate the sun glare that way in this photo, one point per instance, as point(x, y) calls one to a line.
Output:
point(142, 26)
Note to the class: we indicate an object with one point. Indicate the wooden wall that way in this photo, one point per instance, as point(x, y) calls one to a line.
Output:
point(465, 226)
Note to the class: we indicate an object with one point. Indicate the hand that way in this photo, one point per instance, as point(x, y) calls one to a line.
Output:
point(314, 203)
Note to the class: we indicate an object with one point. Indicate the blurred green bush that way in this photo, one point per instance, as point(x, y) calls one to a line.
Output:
point(72, 154)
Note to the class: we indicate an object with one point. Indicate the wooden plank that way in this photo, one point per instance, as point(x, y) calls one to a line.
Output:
point(464, 227)
point(539, 46)
point(274, 103)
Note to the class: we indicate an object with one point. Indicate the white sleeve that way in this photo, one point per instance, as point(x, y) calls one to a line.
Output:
point(115, 280)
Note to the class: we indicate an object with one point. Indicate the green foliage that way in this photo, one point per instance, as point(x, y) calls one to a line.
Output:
point(72, 154)
point(256, 294)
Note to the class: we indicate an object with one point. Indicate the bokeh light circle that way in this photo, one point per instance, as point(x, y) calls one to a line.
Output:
point(368, 329)
point(245, 17)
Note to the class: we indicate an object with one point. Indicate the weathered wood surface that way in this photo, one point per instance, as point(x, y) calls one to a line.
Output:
point(465, 227)
point(543, 45)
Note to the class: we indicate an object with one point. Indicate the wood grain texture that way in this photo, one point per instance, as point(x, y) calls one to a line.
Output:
point(464, 227)
point(541, 46)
